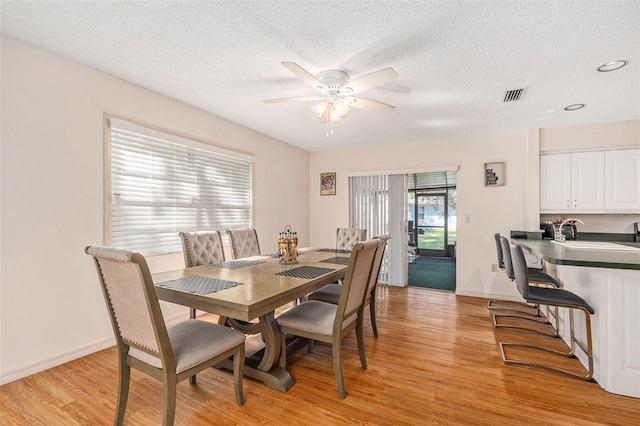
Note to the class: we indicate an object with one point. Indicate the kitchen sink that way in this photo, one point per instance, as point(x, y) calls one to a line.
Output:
point(596, 245)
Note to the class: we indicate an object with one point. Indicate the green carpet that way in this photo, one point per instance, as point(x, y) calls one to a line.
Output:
point(433, 272)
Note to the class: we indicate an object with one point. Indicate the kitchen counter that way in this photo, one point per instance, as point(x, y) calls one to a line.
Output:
point(559, 255)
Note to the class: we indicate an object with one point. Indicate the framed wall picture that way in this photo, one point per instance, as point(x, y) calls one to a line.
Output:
point(494, 174)
point(327, 184)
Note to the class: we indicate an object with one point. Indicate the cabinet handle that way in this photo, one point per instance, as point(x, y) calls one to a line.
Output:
point(575, 204)
point(568, 203)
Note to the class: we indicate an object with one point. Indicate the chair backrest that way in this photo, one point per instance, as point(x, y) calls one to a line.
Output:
point(202, 248)
point(520, 269)
point(132, 303)
point(356, 281)
point(497, 237)
point(347, 238)
point(377, 262)
point(244, 242)
point(508, 262)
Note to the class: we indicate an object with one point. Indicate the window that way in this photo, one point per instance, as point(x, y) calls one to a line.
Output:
point(161, 184)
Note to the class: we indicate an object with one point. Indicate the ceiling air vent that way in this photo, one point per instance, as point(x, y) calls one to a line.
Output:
point(514, 95)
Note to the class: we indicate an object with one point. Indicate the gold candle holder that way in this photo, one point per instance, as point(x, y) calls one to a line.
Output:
point(288, 246)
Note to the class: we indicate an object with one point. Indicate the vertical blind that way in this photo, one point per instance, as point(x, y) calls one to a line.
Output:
point(368, 208)
point(162, 184)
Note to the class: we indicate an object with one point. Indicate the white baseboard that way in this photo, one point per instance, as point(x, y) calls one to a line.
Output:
point(67, 356)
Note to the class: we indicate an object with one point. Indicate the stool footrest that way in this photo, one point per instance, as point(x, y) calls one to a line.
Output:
point(570, 354)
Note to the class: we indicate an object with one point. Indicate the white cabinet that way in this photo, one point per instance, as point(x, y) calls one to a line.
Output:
point(572, 182)
point(623, 180)
point(555, 182)
point(587, 181)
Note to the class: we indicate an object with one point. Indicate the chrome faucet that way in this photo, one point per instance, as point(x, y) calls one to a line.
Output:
point(557, 229)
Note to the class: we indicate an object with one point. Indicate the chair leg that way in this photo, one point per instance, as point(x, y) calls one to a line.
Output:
point(360, 338)
point(337, 366)
point(372, 312)
point(309, 345)
point(192, 313)
point(238, 371)
point(588, 350)
point(124, 379)
point(169, 413)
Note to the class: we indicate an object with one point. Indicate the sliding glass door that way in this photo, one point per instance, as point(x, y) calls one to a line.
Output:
point(432, 223)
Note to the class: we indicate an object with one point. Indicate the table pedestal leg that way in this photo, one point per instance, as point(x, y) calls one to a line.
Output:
point(263, 365)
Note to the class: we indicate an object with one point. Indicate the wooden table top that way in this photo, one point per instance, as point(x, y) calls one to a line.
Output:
point(262, 291)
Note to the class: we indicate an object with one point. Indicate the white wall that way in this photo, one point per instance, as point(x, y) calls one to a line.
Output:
point(51, 168)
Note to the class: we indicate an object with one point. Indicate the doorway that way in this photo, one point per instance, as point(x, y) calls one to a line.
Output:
point(432, 220)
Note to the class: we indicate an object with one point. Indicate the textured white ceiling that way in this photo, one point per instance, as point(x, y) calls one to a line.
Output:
point(455, 59)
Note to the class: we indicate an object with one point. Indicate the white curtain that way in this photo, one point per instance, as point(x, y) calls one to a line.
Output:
point(378, 203)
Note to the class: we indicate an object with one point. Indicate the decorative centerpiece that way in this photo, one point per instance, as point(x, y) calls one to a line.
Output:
point(288, 246)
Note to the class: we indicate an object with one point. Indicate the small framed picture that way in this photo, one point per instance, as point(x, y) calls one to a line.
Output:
point(327, 184)
point(494, 174)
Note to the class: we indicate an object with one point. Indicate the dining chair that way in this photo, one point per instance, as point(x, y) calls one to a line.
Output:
point(346, 238)
point(201, 248)
point(244, 242)
point(146, 344)
point(556, 297)
point(331, 293)
point(330, 323)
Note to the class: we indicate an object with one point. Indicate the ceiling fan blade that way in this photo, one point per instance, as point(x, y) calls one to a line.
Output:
point(305, 75)
point(300, 98)
point(370, 80)
point(369, 105)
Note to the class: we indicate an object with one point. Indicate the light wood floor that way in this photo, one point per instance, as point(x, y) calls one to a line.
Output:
point(437, 361)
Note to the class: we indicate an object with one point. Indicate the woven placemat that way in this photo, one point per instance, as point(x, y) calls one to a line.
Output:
point(339, 260)
point(236, 264)
point(334, 251)
point(306, 272)
point(199, 285)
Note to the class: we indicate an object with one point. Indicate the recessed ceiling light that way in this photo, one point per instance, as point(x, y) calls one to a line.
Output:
point(612, 66)
point(574, 107)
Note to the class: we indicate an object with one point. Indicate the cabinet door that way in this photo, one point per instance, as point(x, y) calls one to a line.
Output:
point(623, 180)
point(587, 181)
point(555, 182)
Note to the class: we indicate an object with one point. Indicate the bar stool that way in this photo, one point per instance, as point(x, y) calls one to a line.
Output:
point(537, 278)
point(554, 297)
point(497, 304)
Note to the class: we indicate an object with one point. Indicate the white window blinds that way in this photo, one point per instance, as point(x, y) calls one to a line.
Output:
point(368, 208)
point(162, 184)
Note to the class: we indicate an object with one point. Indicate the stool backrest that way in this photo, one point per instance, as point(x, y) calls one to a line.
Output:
point(508, 263)
point(497, 237)
point(520, 270)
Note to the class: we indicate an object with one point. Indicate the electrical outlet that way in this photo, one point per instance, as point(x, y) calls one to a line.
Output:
point(494, 267)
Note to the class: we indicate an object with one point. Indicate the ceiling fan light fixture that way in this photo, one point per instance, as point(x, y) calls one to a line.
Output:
point(319, 109)
point(341, 108)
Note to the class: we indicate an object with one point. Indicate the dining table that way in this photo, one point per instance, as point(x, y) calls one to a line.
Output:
point(243, 290)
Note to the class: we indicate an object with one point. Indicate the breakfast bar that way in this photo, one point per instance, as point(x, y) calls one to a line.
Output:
point(607, 275)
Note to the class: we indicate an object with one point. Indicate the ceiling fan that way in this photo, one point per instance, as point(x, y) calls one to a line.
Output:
point(336, 91)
